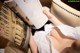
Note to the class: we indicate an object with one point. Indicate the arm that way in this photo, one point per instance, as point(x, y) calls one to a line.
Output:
point(51, 17)
point(33, 45)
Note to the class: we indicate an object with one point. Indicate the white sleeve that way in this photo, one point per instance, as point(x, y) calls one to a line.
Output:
point(42, 42)
point(68, 31)
point(77, 32)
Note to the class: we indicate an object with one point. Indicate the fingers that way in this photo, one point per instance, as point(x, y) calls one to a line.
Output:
point(45, 9)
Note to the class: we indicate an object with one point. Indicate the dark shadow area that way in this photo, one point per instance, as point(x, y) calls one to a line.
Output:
point(75, 5)
point(41, 29)
point(46, 3)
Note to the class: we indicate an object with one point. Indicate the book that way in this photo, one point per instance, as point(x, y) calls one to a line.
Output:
point(33, 11)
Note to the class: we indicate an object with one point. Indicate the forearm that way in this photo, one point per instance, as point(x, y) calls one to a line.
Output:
point(55, 20)
point(51, 17)
point(33, 45)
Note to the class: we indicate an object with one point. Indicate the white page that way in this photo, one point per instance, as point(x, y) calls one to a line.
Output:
point(33, 10)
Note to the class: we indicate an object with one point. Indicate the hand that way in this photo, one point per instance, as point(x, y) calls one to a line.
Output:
point(46, 11)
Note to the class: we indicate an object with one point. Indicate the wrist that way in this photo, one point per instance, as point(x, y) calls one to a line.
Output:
point(50, 16)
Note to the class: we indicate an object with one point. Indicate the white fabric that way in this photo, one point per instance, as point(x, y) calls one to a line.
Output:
point(77, 32)
point(48, 28)
point(43, 42)
point(67, 30)
point(53, 50)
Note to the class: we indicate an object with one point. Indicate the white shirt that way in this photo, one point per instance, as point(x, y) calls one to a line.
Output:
point(43, 42)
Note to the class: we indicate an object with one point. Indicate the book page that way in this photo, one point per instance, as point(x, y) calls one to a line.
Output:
point(34, 12)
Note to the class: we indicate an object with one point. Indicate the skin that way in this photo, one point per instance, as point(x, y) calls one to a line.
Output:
point(60, 42)
point(33, 46)
point(55, 36)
